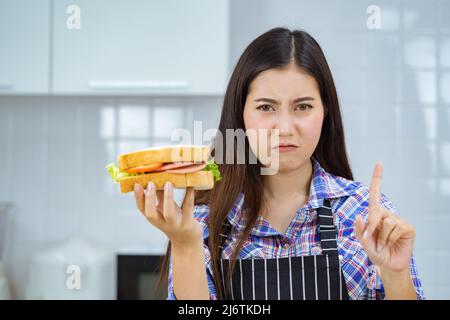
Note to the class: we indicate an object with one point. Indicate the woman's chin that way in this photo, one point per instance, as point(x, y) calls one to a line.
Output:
point(284, 165)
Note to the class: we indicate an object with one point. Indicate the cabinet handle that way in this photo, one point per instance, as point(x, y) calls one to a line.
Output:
point(94, 84)
point(6, 85)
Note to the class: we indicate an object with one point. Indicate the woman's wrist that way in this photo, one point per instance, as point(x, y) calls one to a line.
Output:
point(398, 285)
point(390, 275)
point(189, 272)
point(186, 247)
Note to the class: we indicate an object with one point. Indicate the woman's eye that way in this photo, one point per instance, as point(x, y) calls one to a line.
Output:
point(268, 107)
point(265, 107)
point(304, 106)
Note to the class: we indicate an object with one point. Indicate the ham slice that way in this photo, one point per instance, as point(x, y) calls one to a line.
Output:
point(188, 169)
point(179, 167)
point(174, 165)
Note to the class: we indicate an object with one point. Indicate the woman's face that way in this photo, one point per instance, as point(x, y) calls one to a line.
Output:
point(287, 99)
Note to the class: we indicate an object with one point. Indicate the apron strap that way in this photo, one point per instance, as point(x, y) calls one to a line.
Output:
point(327, 229)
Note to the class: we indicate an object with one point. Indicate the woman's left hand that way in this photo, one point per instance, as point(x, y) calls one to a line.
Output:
point(387, 239)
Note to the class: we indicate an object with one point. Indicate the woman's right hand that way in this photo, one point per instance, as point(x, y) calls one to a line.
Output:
point(163, 212)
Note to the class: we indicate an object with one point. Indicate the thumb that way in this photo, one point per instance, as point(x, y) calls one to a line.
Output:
point(359, 228)
point(368, 245)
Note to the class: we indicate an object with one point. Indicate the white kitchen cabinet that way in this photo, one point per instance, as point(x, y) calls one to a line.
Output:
point(170, 47)
point(24, 46)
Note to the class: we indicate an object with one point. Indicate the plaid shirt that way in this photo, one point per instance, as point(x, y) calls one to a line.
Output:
point(348, 199)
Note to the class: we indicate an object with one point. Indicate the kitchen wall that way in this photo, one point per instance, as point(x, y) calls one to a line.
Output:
point(393, 84)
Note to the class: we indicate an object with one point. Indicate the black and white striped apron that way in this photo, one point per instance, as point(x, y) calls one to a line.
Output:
point(314, 277)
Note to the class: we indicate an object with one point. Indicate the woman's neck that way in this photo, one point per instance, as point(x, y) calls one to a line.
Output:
point(287, 186)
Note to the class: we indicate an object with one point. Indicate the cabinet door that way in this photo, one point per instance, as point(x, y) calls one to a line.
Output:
point(140, 47)
point(24, 46)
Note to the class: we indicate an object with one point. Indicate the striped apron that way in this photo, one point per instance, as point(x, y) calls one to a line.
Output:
point(315, 277)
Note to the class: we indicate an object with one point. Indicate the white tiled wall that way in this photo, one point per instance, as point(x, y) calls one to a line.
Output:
point(394, 88)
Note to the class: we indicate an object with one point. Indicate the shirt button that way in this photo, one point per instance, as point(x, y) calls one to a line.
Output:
point(341, 257)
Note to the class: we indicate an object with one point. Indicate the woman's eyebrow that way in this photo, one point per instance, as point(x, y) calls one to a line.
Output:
point(277, 102)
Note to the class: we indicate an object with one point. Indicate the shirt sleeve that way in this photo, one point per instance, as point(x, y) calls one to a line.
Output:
point(211, 286)
point(375, 288)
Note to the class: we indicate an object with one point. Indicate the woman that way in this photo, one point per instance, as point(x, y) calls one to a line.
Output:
point(307, 232)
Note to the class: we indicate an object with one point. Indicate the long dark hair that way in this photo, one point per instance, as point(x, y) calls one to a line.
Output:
point(275, 48)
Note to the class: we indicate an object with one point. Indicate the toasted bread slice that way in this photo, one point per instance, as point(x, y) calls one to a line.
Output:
point(164, 154)
point(200, 180)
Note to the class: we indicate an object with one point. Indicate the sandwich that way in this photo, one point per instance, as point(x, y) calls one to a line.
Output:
point(183, 166)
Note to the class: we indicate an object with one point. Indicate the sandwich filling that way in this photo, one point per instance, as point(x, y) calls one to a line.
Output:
point(173, 167)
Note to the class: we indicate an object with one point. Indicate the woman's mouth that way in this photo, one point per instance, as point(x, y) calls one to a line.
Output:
point(286, 147)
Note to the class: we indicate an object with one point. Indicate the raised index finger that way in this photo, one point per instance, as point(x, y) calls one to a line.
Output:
point(375, 186)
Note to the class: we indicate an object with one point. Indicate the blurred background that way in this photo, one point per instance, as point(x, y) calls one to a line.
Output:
point(84, 80)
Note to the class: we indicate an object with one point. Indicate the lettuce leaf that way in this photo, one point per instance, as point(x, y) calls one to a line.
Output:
point(115, 172)
point(212, 166)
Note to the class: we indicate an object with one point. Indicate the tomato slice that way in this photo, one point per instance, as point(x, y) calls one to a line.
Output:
point(147, 168)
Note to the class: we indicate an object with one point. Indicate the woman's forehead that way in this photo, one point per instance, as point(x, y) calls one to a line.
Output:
point(283, 82)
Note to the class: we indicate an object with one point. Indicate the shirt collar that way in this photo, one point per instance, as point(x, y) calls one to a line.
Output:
point(323, 186)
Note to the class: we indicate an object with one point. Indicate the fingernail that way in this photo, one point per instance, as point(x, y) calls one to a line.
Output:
point(366, 234)
point(168, 186)
point(150, 186)
point(136, 187)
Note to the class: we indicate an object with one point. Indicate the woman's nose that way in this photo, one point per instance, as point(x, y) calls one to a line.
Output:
point(284, 123)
